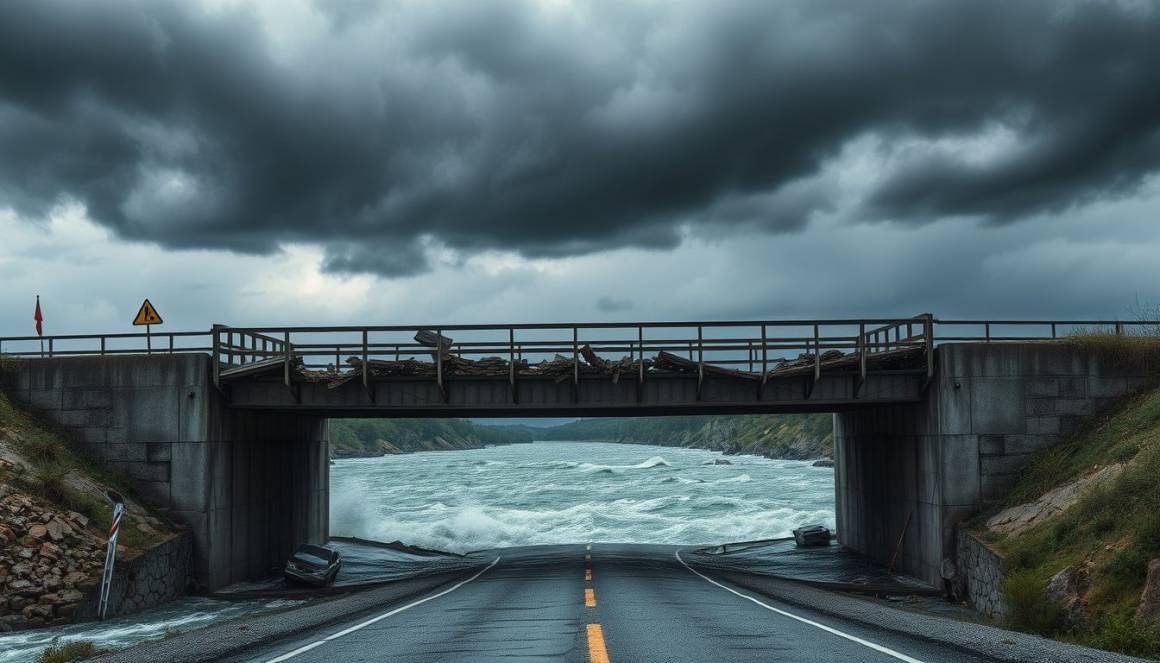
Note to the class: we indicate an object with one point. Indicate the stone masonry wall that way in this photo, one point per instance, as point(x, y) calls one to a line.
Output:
point(937, 461)
point(981, 575)
point(154, 577)
point(251, 485)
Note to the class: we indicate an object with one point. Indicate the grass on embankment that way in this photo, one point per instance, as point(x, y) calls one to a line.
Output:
point(1113, 528)
point(51, 468)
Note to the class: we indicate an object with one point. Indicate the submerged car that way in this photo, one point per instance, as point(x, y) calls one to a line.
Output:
point(313, 565)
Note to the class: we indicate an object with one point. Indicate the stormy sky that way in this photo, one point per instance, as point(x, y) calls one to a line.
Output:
point(546, 160)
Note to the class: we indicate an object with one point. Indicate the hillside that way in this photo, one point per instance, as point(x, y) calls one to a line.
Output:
point(53, 522)
point(1081, 534)
point(377, 437)
point(804, 436)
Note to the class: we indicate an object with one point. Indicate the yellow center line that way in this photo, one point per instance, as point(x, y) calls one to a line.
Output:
point(588, 574)
point(597, 653)
point(589, 598)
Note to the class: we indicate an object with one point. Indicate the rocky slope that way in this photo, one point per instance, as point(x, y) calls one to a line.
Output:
point(801, 437)
point(376, 437)
point(53, 523)
point(1080, 534)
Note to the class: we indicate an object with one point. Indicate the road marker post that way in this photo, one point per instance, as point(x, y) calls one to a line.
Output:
point(118, 503)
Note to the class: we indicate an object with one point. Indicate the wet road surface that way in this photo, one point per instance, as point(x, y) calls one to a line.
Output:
point(601, 602)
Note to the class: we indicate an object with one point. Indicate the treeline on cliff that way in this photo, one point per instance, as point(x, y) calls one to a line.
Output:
point(793, 436)
point(376, 437)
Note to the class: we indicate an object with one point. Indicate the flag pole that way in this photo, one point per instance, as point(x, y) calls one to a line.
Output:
point(39, 331)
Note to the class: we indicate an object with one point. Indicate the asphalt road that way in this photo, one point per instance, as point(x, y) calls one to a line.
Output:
point(609, 603)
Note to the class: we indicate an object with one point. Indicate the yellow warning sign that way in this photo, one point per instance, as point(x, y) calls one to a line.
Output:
point(147, 315)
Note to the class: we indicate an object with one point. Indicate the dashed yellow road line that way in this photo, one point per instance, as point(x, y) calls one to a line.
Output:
point(589, 597)
point(597, 653)
point(588, 574)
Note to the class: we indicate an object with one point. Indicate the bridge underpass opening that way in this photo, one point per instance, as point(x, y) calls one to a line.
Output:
point(531, 484)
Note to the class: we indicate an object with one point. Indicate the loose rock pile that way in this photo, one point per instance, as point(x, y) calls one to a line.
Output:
point(49, 559)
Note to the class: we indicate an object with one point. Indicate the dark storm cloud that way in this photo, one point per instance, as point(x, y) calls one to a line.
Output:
point(558, 132)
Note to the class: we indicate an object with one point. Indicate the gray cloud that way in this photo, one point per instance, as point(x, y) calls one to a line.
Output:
point(499, 125)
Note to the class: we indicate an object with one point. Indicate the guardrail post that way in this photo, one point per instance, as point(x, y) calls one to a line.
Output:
point(1119, 328)
point(50, 340)
point(575, 365)
point(217, 363)
point(285, 358)
point(817, 354)
point(512, 364)
point(439, 363)
point(640, 364)
point(987, 331)
point(171, 344)
point(861, 357)
point(366, 369)
point(928, 333)
point(102, 345)
point(700, 359)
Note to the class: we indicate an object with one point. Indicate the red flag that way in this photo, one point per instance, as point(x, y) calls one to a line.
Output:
point(39, 318)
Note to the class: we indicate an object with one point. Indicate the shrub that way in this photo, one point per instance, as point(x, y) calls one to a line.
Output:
point(43, 448)
point(1121, 633)
point(69, 651)
point(1027, 608)
point(1127, 567)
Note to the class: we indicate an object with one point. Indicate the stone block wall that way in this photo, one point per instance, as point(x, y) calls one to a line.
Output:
point(981, 573)
point(152, 578)
point(939, 460)
point(251, 485)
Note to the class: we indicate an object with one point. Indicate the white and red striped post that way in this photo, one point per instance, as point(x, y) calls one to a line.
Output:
point(110, 552)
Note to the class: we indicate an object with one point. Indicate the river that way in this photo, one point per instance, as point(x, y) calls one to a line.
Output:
point(561, 492)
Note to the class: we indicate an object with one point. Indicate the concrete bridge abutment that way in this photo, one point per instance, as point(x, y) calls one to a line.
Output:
point(249, 484)
point(938, 461)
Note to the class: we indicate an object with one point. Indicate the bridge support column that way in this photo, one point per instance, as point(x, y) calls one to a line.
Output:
point(249, 484)
point(938, 461)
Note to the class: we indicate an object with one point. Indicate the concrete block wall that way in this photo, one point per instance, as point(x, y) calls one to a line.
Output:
point(937, 461)
point(249, 484)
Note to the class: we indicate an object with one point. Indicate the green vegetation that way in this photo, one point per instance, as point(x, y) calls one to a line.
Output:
point(1110, 533)
point(69, 651)
point(373, 437)
point(778, 436)
point(55, 467)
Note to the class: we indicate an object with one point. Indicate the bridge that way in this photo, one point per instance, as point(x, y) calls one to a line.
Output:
point(227, 427)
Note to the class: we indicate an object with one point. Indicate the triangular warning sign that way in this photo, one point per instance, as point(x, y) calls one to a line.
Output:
point(147, 315)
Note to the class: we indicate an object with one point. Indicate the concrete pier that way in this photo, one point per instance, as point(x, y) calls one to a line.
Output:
point(938, 461)
point(250, 485)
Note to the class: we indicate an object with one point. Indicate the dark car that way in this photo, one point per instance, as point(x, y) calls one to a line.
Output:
point(313, 565)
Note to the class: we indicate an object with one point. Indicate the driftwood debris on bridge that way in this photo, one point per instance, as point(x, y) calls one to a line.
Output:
point(587, 364)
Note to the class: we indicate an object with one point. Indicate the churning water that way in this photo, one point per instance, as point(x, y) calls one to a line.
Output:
point(567, 492)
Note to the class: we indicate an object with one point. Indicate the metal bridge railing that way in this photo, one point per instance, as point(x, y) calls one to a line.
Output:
point(751, 348)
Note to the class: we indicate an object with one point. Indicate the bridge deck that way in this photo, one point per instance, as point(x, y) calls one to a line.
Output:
point(588, 369)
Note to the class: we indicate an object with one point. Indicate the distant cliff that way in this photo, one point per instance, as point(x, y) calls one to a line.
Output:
point(797, 436)
point(377, 437)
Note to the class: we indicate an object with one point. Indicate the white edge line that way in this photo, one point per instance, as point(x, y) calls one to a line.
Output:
point(372, 620)
point(828, 629)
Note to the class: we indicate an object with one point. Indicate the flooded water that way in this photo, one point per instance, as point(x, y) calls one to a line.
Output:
point(565, 492)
